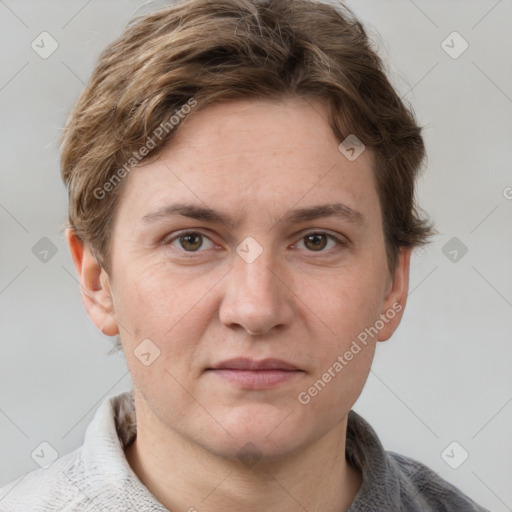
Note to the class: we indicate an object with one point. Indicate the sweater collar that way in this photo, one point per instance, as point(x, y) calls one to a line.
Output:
point(380, 489)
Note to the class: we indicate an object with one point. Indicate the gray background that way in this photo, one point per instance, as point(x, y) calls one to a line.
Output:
point(445, 375)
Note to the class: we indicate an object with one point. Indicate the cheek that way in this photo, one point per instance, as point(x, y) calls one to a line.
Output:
point(165, 308)
point(335, 391)
point(154, 300)
point(344, 305)
point(342, 362)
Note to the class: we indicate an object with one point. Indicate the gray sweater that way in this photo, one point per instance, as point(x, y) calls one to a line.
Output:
point(96, 476)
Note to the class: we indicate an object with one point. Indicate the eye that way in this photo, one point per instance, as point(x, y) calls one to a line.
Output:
point(314, 241)
point(317, 241)
point(189, 241)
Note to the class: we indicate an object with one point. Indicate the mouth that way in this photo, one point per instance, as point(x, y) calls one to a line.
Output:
point(252, 374)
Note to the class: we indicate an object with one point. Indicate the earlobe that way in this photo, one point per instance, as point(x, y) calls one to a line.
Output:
point(94, 284)
point(396, 298)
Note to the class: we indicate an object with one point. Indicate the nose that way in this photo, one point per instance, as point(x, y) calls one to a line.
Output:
point(257, 296)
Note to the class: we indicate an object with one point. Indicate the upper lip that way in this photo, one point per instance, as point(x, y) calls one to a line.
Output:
point(245, 363)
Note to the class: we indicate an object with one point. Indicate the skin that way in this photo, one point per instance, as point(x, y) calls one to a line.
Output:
point(254, 160)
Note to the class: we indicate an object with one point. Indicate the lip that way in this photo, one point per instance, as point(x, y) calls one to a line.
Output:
point(253, 374)
point(246, 363)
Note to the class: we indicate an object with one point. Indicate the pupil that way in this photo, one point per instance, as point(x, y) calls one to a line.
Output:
point(192, 236)
point(315, 239)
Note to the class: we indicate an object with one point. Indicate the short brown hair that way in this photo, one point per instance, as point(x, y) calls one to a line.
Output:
point(220, 50)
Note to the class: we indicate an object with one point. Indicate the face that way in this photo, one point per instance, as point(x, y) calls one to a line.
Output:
point(220, 252)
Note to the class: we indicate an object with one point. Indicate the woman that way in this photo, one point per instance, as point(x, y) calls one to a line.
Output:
point(241, 182)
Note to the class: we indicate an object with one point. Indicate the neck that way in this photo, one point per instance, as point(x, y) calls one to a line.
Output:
point(184, 476)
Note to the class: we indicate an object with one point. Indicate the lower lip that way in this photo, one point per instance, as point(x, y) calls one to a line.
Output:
point(257, 379)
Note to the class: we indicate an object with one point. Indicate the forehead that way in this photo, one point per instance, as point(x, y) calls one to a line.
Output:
point(255, 155)
point(292, 126)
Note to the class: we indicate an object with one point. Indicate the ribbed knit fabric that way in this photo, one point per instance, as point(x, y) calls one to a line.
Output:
point(96, 477)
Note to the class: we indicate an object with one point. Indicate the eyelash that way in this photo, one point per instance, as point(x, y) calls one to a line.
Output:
point(341, 243)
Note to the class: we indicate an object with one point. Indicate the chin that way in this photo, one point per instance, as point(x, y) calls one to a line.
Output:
point(259, 431)
point(250, 450)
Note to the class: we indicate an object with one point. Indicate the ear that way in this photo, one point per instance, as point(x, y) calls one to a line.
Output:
point(396, 295)
point(95, 285)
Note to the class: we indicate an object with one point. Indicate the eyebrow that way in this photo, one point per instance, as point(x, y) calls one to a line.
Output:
point(192, 211)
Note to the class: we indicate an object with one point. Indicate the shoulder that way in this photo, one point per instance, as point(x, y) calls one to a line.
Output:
point(95, 476)
point(56, 488)
point(423, 489)
point(394, 482)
